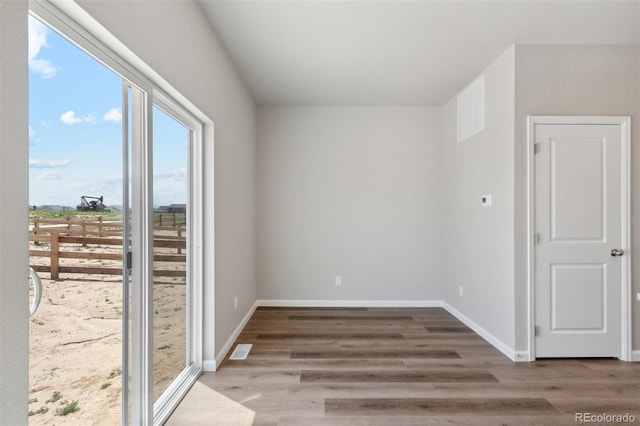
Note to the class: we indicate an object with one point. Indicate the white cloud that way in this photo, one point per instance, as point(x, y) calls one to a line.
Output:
point(32, 133)
point(50, 176)
point(114, 114)
point(111, 180)
point(176, 174)
point(100, 184)
point(168, 196)
point(70, 117)
point(37, 40)
point(47, 164)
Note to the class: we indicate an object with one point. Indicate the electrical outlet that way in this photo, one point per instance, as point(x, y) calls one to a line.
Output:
point(235, 303)
point(638, 296)
point(460, 291)
point(338, 280)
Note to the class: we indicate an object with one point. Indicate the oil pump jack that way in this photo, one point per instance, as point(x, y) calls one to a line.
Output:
point(91, 204)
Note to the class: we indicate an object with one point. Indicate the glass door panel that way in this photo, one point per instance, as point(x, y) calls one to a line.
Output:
point(170, 250)
point(76, 233)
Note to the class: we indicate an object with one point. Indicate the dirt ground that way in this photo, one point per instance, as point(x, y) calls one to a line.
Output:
point(76, 348)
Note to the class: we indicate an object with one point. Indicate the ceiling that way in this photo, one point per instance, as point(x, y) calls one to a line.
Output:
point(396, 52)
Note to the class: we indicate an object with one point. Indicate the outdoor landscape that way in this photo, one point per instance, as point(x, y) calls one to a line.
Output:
point(76, 334)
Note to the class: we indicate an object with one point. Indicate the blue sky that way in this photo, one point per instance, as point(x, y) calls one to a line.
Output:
point(75, 129)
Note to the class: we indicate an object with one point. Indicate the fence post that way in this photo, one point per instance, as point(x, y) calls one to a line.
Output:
point(179, 238)
point(36, 225)
point(55, 254)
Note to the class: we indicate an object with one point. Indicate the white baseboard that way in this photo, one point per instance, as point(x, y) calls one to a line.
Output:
point(209, 365)
point(493, 340)
point(635, 356)
point(523, 356)
point(290, 303)
point(212, 365)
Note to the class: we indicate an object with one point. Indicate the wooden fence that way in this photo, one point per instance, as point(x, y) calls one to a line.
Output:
point(100, 240)
point(79, 225)
point(91, 224)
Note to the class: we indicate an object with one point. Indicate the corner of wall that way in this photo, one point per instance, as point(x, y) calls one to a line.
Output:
point(14, 321)
point(482, 237)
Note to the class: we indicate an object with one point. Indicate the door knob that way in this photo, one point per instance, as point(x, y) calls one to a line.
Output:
point(37, 291)
point(617, 252)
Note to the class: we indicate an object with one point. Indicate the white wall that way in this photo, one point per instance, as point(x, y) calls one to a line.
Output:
point(476, 241)
point(348, 191)
point(572, 80)
point(177, 42)
point(14, 150)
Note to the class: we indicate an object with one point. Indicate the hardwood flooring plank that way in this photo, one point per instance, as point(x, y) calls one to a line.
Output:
point(331, 336)
point(408, 376)
point(341, 364)
point(381, 420)
point(598, 406)
point(267, 376)
point(437, 319)
point(412, 311)
point(242, 389)
point(525, 373)
point(354, 327)
point(448, 329)
point(425, 337)
point(227, 411)
point(611, 364)
point(438, 406)
point(269, 353)
point(350, 318)
point(455, 364)
point(373, 353)
point(307, 309)
point(480, 352)
point(272, 407)
point(551, 389)
point(439, 323)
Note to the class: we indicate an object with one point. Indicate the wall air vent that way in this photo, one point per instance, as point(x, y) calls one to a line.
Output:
point(471, 109)
point(241, 352)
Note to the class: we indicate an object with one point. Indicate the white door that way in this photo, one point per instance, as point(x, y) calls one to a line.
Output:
point(579, 204)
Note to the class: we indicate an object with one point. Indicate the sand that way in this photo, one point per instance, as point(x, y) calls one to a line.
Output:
point(76, 348)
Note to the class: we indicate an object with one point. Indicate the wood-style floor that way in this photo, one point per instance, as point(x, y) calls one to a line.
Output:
point(371, 367)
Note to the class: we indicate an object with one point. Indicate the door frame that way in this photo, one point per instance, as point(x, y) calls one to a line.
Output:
point(625, 312)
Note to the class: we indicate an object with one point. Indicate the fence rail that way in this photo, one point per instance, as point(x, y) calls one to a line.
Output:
point(103, 224)
point(66, 239)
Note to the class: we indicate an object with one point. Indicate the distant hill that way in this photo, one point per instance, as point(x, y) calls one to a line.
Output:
point(53, 208)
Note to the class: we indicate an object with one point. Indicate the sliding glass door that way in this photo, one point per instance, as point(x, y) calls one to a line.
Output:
point(158, 263)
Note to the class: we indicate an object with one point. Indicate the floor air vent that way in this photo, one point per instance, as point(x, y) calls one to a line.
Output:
point(242, 351)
